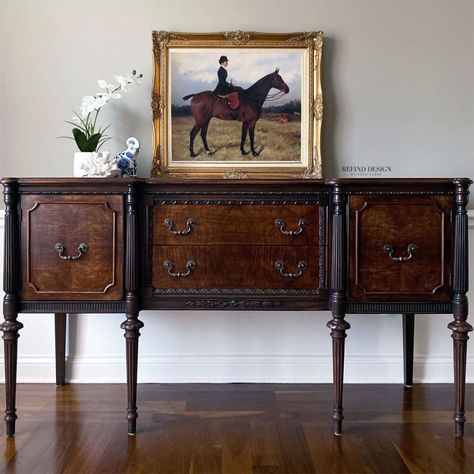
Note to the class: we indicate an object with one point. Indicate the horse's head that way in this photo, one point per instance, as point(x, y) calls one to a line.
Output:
point(278, 82)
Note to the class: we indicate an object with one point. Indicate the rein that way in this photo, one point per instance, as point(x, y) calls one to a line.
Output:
point(276, 96)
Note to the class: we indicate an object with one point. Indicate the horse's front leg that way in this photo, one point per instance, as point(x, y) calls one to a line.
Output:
point(252, 139)
point(192, 136)
point(245, 127)
point(204, 137)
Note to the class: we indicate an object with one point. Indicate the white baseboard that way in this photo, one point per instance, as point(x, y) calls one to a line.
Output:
point(238, 368)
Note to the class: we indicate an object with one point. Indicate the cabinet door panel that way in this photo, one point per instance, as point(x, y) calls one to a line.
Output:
point(91, 273)
point(400, 248)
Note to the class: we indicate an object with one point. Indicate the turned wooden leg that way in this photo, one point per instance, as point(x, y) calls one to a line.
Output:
point(460, 333)
point(408, 344)
point(10, 328)
point(338, 328)
point(132, 326)
point(460, 327)
point(60, 342)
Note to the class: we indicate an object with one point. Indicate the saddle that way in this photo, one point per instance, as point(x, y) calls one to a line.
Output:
point(233, 100)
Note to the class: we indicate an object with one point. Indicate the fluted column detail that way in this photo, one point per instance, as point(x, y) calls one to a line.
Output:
point(11, 326)
point(460, 327)
point(337, 324)
point(132, 324)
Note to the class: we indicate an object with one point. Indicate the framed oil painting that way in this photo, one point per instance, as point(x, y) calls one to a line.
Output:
point(237, 104)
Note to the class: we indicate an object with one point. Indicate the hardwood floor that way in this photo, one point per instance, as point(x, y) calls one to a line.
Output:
point(237, 428)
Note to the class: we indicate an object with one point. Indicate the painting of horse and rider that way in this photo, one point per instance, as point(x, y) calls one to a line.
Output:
point(238, 105)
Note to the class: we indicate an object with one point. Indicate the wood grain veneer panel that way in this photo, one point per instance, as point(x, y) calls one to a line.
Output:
point(400, 221)
point(71, 220)
point(223, 266)
point(236, 224)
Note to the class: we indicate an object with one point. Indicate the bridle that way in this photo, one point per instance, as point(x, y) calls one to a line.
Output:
point(275, 96)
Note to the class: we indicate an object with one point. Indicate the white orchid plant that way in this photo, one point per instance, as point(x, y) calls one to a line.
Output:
point(87, 135)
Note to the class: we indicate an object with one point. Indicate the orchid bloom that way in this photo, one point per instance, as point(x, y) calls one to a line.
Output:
point(111, 90)
point(91, 103)
point(86, 134)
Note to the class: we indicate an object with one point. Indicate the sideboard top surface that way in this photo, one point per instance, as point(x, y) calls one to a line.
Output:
point(65, 181)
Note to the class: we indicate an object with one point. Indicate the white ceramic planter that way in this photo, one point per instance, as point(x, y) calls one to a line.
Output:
point(93, 164)
point(81, 160)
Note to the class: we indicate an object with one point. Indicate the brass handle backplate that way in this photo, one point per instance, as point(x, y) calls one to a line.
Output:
point(170, 224)
point(190, 266)
point(390, 250)
point(280, 223)
point(59, 247)
point(280, 266)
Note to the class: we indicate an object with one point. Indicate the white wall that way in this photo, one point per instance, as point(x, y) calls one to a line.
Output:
point(397, 78)
point(397, 75)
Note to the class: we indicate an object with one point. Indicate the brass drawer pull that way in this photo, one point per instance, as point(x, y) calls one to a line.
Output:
point(60, 249)
point(302, 223)
point(411, 249)
point(170, 224)
point(190, 266)
point(280, 266)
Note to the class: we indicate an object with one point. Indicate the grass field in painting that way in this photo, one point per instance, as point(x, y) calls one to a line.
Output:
point(274, 140)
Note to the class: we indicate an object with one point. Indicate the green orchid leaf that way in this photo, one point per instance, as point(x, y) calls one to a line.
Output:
point(104, 129)
point(102, 141)
point(83, 122)
point(93, 141)
point(81, 139)
point(76, 125)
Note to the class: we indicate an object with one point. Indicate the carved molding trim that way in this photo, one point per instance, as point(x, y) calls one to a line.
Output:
point(157, 105)
point(238, 37)
point(235, 291)
point(380, 307)
point(71, 307)
point(314, 194)
point(233, 304)
point(316, 168)
point(235, 174)
point(400, 193)
point(317, 107)
point(236, 202)
point(311, 38)
point(162, 38)
point(68, 193)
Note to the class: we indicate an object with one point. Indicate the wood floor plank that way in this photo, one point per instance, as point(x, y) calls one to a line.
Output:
point(266, 456)
point(237, 429)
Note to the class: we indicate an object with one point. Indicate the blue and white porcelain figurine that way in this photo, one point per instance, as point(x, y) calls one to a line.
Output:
point(126, 160)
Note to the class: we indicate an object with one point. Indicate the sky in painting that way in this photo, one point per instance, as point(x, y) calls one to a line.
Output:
point(195, 70)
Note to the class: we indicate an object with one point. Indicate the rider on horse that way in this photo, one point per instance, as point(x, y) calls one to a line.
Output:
point(224, 88)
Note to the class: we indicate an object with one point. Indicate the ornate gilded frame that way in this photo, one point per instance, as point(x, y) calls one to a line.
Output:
point(312, 42)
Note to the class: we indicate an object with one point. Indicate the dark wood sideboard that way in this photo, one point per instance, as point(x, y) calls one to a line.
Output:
point(344, 245)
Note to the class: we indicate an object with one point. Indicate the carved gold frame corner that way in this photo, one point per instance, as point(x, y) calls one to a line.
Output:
point(163, 41)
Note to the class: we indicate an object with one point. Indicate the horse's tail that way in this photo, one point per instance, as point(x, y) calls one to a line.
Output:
point(186, 97)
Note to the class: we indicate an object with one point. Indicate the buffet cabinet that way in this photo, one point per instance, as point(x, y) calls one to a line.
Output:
point(343, 245)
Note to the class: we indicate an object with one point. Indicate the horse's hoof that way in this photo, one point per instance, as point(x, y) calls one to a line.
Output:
point(255, 153)
point(209, 152)
point(193, 155)
point(244, 153)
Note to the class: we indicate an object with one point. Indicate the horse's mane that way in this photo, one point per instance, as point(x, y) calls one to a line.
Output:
point(257, 84)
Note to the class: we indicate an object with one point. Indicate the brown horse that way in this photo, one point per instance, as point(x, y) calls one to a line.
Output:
point(207, 104)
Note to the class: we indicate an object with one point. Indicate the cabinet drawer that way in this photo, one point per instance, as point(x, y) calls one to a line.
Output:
point(400, 247)
point(72, 247)
point(178, 224)
point(235, 266)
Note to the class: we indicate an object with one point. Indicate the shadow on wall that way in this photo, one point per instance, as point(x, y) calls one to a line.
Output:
point(330, 117)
